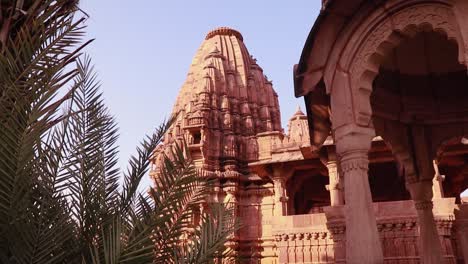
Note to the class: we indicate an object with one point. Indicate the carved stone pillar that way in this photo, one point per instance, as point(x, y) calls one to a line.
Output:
point(231, 196)
point(362, 238)
point(429, 242)
point(462, 236)
point(281, 198)
point(437, 187)
point(335, 186)
point(231, 200)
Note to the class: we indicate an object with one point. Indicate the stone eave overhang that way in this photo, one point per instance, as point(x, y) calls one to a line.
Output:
point(308, 73)
point(333, 10)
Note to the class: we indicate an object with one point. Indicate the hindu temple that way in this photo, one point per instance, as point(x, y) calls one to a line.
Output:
point(371, 171)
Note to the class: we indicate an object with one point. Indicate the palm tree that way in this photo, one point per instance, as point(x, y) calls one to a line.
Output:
point(61, 199)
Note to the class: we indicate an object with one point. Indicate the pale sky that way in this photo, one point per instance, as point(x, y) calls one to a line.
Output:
point(143, 50)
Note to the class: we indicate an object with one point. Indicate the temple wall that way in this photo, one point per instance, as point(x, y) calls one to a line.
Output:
point(319, 238)
point(256, 209)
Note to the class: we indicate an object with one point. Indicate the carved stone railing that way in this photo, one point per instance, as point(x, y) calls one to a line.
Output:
point(305, 239)
point(320, 238)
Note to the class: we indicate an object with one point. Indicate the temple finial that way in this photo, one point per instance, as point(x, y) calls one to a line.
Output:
point(299, 111)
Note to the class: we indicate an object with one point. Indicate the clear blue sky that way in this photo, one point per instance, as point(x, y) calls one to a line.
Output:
point(143, 50)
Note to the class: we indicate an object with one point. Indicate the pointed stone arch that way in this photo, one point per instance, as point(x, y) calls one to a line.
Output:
point(362, 56)
point(345, 51)
point(350, 81)
point(359, 66)
point(388, 35)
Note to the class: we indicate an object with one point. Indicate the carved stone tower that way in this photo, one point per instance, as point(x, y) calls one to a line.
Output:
point(224, 103)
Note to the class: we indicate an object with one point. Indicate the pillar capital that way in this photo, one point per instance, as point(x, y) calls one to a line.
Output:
point(354, 161)
point(353, 139)
point(420, 191)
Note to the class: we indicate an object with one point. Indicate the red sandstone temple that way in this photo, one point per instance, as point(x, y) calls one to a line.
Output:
point(373, 173)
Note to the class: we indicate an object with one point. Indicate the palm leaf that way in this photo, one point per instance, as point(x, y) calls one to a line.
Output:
point(60, 198)
point(33, 221)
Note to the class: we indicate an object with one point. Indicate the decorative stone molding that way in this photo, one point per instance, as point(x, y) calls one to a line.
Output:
point(399, 237)
point(337, 229)
point(354, 163)
point(423, 205)
point(397, 225)
point(317, 235)
point(260, 192)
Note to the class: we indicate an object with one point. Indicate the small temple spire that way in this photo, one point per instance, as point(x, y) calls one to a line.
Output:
point(298, 111)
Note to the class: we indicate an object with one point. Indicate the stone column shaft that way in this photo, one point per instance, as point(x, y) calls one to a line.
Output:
point(363, 244)
point(362, 238)
point(462, 234)
point(335, 186)
point(429, 242)
point(281, 198)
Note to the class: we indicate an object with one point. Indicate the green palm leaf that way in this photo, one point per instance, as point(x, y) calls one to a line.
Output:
point(36, 49)
point(61, 200)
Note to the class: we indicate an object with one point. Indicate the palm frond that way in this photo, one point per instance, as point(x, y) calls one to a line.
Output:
point(60, 197)
point(208, 242)
point(90, 166)
point(33, 68)
point(139, 164)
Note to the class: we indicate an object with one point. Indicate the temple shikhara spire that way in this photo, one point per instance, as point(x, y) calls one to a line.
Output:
point(228, 114)
point(224, 103)
point(372, 170)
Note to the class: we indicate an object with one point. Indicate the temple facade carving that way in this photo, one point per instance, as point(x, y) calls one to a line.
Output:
point(372, 172)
